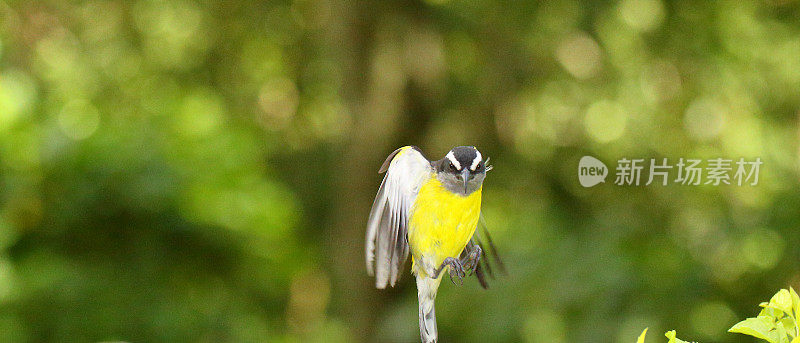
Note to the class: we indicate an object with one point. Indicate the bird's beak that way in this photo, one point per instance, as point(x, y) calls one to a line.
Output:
point(465, 177)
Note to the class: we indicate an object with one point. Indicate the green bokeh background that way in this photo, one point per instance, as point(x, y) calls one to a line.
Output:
point(201, 171)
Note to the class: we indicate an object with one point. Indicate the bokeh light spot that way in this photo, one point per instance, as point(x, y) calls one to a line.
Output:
point(712, 319)
point(202, 112)
point(17, 94)
point(743, 135)
point(174, 32)
point(643, 15)
point(78, 119)
point(278, 100)
point(762, 248)
point(605, 121)
point(580, 55)
point(704, 119)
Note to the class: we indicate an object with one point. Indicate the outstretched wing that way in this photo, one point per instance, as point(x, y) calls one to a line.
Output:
point(482, 239)
point(387, 228)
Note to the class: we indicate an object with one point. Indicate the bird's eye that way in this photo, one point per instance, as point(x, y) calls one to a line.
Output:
point(479, 167)
point(452, 167)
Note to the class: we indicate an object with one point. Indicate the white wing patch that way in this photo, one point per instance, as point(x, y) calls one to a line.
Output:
point(387, 228)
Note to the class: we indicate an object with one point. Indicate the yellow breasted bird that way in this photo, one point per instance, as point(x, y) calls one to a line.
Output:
point(431, 209)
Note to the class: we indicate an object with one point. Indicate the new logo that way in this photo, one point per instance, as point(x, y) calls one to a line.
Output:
point(591, 171)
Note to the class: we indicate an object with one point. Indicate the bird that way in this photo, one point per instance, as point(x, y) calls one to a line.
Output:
point(430, 210)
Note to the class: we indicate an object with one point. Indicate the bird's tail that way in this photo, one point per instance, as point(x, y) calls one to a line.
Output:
point(426, 290)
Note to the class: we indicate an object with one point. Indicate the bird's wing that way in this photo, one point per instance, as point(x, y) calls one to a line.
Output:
point(387, 242)
point(482, 239)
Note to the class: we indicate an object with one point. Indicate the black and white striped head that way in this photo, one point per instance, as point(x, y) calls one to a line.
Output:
point(462, 170)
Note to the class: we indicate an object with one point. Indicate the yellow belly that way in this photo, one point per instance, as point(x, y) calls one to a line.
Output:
point(441, 223)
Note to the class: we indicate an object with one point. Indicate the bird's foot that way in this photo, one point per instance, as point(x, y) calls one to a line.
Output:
point(456, 270)
point(470, 262)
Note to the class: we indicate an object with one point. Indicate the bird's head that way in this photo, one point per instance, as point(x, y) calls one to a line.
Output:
point(462, 170)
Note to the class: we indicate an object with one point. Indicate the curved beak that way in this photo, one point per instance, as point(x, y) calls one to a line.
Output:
point(465, 178)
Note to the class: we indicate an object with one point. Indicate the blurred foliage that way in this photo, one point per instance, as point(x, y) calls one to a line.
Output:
point(201, 171)
point(776, 323)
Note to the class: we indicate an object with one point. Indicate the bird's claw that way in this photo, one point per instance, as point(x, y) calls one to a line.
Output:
point(456, 269)
point(470, 263)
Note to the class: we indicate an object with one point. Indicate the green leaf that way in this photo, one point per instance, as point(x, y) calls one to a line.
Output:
point(672, 338)
point(795, 302)
point(782, 301)
point(762, 327)
point(788, 325)
point(771, 311)
point(781, 331)
point(641, 337)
